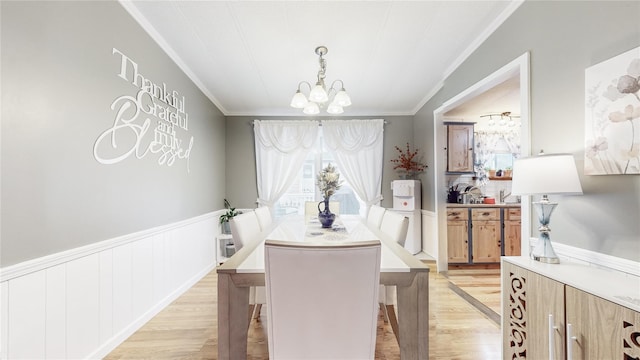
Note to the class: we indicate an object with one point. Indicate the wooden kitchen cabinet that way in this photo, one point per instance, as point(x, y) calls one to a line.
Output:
point(545, 318)
point(460, 147)
point(486, 236)
point(458, 235)
point(481, 235)
point(512, 234)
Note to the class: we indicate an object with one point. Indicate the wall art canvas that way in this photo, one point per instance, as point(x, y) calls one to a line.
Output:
point(612, 116)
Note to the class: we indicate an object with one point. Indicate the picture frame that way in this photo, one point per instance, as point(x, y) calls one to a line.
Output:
point(612, 116)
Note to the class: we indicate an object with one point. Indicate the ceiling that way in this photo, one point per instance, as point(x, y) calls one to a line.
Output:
point(249, 56)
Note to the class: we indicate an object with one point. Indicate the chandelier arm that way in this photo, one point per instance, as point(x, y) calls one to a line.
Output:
point(304, 82)
point(341, 85)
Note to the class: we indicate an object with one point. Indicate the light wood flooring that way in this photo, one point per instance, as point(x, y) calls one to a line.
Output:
point(187, 329)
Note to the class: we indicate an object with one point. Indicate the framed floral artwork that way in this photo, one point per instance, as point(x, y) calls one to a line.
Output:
point(612, 116)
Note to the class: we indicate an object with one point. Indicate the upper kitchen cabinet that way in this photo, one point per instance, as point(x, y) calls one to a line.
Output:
point(459, 147)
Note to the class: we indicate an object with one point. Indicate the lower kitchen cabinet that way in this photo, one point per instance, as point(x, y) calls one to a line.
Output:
point(512, 233)
point(458, 235)
point(480, 235)
point(486, 239)
point(546, 318)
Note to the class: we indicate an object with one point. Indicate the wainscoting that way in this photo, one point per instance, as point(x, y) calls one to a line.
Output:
point(429, 234)
point(84, 302)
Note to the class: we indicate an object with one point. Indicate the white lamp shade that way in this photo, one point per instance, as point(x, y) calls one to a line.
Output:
point(318, 94)
point(299, 101)
point(311, 108)
point(546, 174)
point(342, 98)
point(334, 108)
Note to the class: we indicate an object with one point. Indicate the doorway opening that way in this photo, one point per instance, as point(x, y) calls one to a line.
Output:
point(517, 69)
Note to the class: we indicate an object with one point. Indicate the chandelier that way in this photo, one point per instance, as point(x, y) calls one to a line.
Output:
point(504, 119)
point(319, 95)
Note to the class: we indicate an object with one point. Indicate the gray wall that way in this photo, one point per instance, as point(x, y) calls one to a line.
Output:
point(59, 79)
point(563, 38)
point(241, 161)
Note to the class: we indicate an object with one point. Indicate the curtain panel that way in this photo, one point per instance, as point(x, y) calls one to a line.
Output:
point(281, 148)
point(357, 146)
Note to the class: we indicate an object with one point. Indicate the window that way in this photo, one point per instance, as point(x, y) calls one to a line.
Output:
point(304, 187)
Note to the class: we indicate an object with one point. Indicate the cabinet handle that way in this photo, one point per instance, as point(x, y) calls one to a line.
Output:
point(570, 339)
point(552, 345)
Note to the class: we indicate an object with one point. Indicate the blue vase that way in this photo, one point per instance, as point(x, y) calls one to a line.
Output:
point(325, 216)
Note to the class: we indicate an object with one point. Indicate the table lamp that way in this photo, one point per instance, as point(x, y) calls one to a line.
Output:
point(545, 174)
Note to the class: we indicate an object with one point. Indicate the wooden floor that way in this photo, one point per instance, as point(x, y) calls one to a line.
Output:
point(187, 329)
point(481, 287)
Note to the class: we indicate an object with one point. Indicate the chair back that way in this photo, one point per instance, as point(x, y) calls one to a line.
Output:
point(339, 283)
point(395, 226)
point(264, 217)
point(244, 228)
point(375, 215)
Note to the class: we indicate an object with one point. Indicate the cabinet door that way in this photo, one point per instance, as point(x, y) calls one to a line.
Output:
point(602, 329)
point(533, 309)
point(458, 241)
point(512, 245)
point(460, 148)
point(486, 244)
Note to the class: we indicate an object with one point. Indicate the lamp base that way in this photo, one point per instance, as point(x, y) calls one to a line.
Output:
point(543, 251)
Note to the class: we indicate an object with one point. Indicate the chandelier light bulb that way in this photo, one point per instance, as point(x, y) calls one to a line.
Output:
point(311, 108)
point(342, 98)
point(334, 108)
point(318, 94)
point(299, 101)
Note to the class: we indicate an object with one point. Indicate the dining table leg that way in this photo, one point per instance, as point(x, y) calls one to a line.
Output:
point(413, 318)
point(233, 312)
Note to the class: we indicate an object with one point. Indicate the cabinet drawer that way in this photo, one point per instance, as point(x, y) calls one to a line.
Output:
point(485, 214)
point(512, 213)
point(457, 214)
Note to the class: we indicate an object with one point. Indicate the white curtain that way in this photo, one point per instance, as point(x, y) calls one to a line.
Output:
point(281, 148)
point(357, 148)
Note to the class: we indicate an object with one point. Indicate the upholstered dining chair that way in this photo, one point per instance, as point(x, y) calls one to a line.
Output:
point(339, 281)
point(245, 227)
point(264, 217)
point(395, 226)
point(375, 215)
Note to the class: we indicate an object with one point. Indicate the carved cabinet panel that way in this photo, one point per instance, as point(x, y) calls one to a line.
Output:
point(533, 309)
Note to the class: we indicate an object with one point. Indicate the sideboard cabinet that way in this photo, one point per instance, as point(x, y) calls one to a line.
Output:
point(568, 311)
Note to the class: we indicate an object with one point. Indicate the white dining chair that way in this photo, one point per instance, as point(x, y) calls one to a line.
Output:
point(245, 228)
point(264, 217)
point(375, 215)
point(338, 283)
point(395, 226)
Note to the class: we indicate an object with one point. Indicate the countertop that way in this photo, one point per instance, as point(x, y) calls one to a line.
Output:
point(504, 205)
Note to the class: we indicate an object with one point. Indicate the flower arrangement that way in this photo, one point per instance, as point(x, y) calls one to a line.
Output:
point(408, 163)
point(328, 181)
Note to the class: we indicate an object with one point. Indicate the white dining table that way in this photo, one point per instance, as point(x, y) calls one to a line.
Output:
point(397, 267)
